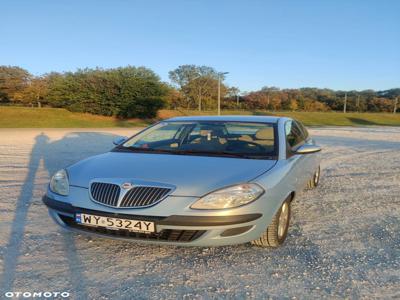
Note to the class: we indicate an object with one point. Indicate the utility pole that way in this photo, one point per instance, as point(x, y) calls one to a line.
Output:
point(345, 102)
point(237, 100)
point(395, 105)
point(219, 91)
point(219, 94)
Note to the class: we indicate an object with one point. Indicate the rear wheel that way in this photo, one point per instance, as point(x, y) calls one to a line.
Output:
point(313, 183)
point(276, 232)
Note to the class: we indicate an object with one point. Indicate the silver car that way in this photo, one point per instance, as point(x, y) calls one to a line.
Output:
point(197, 181)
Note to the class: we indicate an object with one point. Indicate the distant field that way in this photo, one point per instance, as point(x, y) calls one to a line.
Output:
point(23, 117)
point(308, 118)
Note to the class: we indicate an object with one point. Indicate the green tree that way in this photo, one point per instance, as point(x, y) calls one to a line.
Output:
point(198, 85)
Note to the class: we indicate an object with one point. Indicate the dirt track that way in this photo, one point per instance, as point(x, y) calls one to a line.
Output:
point(344, 239)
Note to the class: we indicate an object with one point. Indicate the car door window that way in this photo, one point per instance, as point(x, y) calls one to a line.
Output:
point(294, 135)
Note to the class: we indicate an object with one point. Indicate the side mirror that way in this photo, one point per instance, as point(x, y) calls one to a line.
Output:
point(119, 140)
point(307, 149)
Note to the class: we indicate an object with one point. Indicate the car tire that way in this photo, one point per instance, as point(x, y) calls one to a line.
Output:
point(313, 183)
point(276, 232)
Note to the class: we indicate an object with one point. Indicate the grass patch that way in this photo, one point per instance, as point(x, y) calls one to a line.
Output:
point(25, 117)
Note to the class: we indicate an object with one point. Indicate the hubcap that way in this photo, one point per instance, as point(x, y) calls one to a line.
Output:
point(283, 219)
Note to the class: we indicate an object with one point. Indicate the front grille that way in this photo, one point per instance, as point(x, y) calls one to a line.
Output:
point(165, 235)
point(140, 196)
point(106, 193)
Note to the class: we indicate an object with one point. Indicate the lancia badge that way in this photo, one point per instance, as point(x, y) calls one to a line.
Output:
point(126, 185)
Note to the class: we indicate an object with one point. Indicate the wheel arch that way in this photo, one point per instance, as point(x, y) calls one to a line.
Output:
point(292, 196)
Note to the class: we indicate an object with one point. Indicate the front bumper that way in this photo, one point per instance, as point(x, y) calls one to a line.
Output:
point(182, 226)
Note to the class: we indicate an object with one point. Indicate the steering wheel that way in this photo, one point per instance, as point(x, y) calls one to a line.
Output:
point(251, 144)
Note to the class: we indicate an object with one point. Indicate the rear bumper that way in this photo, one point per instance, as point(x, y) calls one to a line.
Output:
point(190, 230)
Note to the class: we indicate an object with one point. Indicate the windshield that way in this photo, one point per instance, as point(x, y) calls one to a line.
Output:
point(237, 139)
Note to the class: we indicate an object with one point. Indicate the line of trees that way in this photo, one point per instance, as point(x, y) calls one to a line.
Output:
point(128, 92)
point(123, 92)
point(314, 99)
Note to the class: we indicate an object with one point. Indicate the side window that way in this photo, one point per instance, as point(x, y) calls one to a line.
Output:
point(294, 135)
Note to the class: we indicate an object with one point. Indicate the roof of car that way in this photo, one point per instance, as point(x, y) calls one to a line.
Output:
point(261, 119)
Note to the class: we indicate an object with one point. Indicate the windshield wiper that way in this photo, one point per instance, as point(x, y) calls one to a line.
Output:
point(150, 150)
point(196, 152)
point(224, 153)
point(221, 153)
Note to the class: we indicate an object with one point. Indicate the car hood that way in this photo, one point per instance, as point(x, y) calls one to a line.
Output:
point(191, 175)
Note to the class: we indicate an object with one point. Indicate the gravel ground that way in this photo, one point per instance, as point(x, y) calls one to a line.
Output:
point(344, 240)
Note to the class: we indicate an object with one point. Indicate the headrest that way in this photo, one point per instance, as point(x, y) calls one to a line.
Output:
point(213, 130)
point(265, 134)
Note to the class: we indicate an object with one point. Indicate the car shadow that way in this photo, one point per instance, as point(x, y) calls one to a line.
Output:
point(54, 155)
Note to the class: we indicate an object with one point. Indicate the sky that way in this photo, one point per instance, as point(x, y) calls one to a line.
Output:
point(336, 44)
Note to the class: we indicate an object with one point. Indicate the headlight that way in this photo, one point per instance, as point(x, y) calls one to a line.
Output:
point(230, 197)
point(59, 183)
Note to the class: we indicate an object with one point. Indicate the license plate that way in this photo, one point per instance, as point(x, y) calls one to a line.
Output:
point(115, 223)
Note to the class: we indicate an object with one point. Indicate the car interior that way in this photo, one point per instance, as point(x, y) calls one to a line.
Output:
point(216, 138)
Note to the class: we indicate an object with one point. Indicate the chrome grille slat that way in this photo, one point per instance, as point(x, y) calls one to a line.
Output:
point(116, 193)
point(133, 193)
point(93, 188)
point(101, 193)
point(106, 196)
point(141, 196)
point(105, 193)
point(131, 196)
point(113, 195)
point(96, 190)
point(129, 193)
point(158, 193)
point(135, 200)
point(150, 196)
point(161, 194)
point(142, 201)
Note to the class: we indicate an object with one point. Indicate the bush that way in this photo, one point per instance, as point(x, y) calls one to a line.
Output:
point(123, 92)
point(141, 108)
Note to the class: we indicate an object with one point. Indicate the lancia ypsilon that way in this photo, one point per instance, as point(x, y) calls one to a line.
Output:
point(199, 181)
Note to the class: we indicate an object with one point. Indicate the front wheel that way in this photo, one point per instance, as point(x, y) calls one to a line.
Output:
point(276, 232)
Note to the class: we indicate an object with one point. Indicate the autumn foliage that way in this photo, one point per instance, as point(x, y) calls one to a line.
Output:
point(138, 92)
